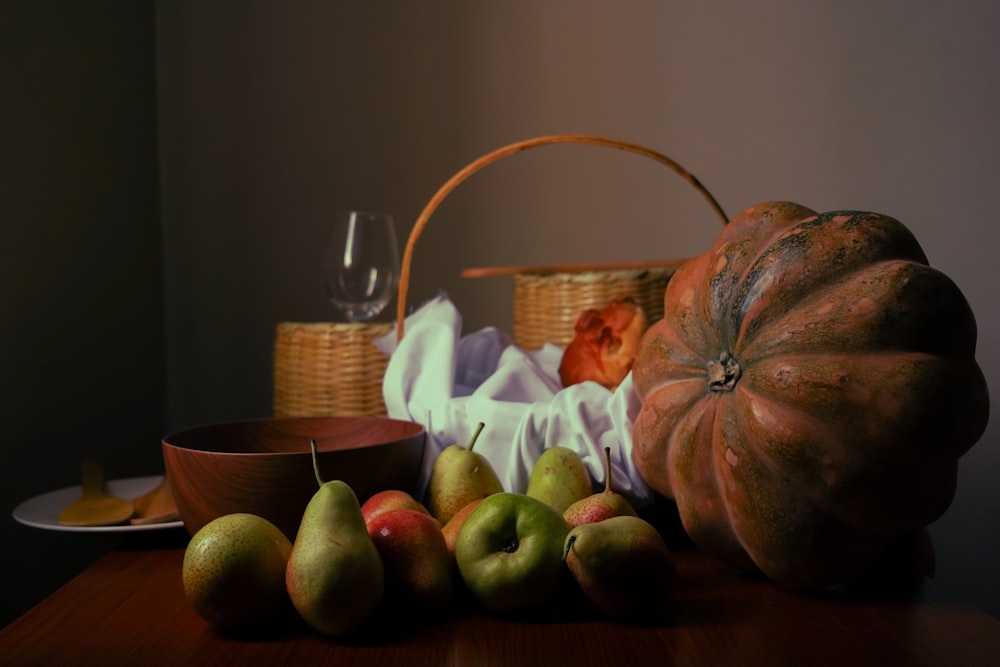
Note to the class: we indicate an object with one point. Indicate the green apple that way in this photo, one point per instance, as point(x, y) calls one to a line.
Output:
point(509, 552)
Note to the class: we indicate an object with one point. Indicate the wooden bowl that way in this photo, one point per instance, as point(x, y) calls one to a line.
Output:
point(264, 466)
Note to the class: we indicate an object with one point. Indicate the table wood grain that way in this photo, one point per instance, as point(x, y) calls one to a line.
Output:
point(129, 609)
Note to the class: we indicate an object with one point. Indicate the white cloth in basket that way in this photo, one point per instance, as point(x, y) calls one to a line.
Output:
point(449, 383)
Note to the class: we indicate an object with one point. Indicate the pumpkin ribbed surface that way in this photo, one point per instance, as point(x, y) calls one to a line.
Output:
point(808, 392)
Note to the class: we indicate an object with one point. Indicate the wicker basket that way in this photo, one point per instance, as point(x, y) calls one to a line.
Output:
point(548, 302)
point(323, 369)
point(547, 305)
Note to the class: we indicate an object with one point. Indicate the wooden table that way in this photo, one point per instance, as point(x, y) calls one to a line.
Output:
point(129, 609)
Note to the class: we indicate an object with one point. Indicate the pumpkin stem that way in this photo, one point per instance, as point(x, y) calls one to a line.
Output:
point(724, 373)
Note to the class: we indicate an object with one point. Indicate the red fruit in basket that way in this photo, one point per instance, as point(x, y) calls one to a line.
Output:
point(419, 569)
point(604, 346)
point(388, 501)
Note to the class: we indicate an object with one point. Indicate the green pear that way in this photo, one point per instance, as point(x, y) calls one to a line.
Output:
point(622, 565)
point(234, 570)
point(601, 505)
point(559, 478)
point(334, 576)
point(459, 476)
point(419, 568)
point(509, 552)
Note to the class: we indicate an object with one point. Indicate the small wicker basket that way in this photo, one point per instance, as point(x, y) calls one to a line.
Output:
point(548, 301)
point(548, 305)
point(323, 369)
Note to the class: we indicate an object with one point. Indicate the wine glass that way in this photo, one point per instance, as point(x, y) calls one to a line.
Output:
point(361, 263)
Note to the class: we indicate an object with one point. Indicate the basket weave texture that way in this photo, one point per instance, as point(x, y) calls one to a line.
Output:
point(547, 306)
point(323, 369)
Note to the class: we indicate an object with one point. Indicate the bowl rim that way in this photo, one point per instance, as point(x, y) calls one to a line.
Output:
point(418, 431)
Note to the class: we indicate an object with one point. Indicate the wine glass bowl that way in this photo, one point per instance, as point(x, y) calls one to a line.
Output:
point(361, 263)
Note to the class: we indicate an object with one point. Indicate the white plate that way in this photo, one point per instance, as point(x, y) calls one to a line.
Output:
point(43, 511)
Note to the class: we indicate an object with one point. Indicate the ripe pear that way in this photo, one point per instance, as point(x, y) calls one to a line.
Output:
point(601, 505)
point(559, 478)
point(334, 576)
point(622, 565)
point(459, 476)
point(234, 570)
point(419, 569)
point(388, 501)
point(450, 530)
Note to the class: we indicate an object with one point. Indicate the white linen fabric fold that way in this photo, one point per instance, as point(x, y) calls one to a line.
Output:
point(449, 383)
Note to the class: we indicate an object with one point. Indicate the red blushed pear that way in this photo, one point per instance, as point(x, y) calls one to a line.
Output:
point(450, 529)
point(599, 506)
point(389, 500)
point(419, 568)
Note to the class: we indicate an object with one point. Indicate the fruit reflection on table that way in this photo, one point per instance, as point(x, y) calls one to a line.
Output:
point(467, 541)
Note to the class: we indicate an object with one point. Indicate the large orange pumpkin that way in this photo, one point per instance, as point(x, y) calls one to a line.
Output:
point(808, 392)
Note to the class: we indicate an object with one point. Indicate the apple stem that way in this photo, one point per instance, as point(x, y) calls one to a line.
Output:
point(569, 545)
point(312, 446)
point(607, 470)
point(475, 436)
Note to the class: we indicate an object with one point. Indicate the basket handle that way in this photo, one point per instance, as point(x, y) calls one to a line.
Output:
point(510, 149)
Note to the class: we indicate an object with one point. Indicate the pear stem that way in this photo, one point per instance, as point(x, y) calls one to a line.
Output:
point(312, 446)
point(607, 470)
point(569, 545)
point(475, 436)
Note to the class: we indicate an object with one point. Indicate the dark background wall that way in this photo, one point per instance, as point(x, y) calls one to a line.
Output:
point(81, 295)
point(144, 280)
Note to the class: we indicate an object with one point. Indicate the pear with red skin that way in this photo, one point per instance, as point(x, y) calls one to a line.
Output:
point(450, 529)
point(601, 505)
point(389, 500)
point(419, 569)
